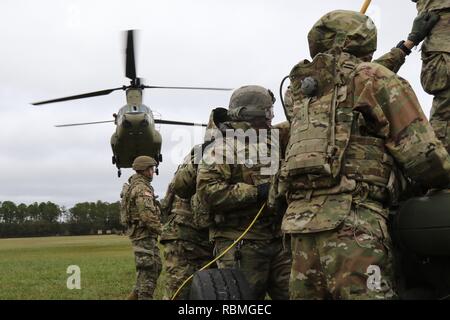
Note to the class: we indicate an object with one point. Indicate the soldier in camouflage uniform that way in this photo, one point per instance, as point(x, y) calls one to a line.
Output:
point(435, 75)
point(235, 192)
point(186, 246)
point(352, 122)
point(141, 215)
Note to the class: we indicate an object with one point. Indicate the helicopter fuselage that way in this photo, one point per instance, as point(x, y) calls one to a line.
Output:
point(135, 135)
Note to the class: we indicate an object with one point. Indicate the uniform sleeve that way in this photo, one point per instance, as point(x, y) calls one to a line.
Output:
point(184, 182)
point(393, 60)
point(148, 210)
point(216, 188)
point(391, 110)
point(288, 104)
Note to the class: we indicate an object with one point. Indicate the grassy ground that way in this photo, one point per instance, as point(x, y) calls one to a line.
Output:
point(35, 268)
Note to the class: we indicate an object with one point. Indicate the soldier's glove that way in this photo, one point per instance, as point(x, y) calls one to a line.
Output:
point(263, 193)
point(422, 26)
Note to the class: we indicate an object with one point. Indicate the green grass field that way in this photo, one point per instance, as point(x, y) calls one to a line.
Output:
point(35, 268)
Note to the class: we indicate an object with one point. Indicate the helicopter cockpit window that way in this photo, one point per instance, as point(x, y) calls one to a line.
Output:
point(134, 109)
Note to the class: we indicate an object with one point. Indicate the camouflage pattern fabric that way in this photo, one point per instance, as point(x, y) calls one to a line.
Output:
point(337, 264)
point(349, 31)
point(392, 60)
point(181, 224)
point(265, 264)
point(148, 267)
point(432, 5)
point(186, 246)
point(385, 109)
point(182, 259)
point(202, 216)
point(435, 76)
point(283, 129)
point(184, 182)
point(166, 203)
point(230, 191)
point(144, 213)
point(144, 226)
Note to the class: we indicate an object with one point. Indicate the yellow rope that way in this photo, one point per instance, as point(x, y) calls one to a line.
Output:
point(224, 252)
point(365, 6)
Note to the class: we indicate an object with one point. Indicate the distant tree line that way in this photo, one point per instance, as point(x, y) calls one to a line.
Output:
point(49, 219)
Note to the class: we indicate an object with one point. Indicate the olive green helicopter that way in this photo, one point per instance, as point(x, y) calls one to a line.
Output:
point(135, 133)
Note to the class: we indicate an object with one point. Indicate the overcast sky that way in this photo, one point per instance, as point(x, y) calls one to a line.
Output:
point(51, 49)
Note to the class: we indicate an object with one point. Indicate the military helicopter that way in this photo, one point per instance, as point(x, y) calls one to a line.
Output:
point(135, 133)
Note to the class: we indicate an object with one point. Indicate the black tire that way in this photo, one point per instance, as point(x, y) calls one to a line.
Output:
point(422, 226)
point(220, 284)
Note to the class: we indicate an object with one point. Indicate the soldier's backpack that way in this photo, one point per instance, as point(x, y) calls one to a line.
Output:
point(322, 119)
point(125, 218)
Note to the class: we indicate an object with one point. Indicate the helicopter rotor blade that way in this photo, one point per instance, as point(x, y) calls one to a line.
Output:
point(179, 123)
point(80, 96)
point(130, 61)
point(82, 124)
point(187, 88)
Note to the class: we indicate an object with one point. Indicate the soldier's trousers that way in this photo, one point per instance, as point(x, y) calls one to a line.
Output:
point(182, 259)
point(352, 262)
point(265, 263)
point(148, 267)
point(435, 80)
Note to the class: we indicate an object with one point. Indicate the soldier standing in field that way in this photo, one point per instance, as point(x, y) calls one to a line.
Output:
point(141, 215)
point(352, 123)
point(234, 191)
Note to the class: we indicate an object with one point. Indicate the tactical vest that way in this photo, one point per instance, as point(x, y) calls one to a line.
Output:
point(328, 137)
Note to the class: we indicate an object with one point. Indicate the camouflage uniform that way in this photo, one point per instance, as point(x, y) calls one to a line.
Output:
point(186, 246)
point(392, 60)
point(143, 227)
point(231, 193)
point(435, 75)
point(340, 173)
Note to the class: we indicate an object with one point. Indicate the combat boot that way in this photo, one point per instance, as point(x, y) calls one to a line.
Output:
point(132, 296)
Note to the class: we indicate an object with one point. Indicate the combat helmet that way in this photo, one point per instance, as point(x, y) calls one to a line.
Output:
point(143, 162)
point(250, 102)
point(349, 31)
